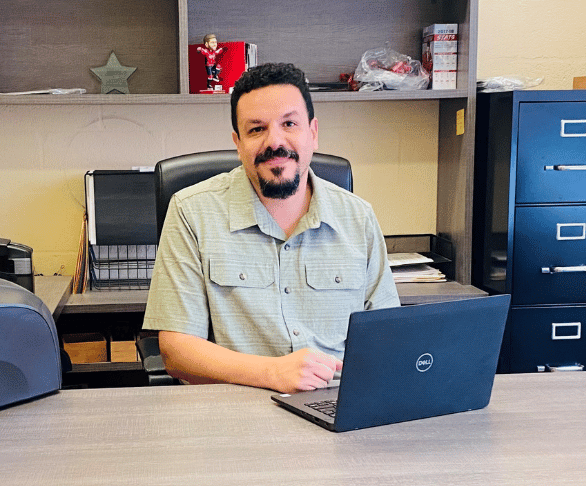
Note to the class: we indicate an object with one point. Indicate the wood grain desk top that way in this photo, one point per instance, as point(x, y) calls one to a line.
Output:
point(135, 300)
point(532, 432)
point(54, 291)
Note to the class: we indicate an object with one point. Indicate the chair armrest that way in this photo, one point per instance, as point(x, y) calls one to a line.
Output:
point(150, 355)
point(152, 361)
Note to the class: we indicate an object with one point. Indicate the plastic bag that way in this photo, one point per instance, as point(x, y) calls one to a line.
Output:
point(384, 68)
point(508, 83)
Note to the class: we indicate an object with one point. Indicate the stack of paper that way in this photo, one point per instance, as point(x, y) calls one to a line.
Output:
point(398, 259)
point(412, 267)
point(417, 273)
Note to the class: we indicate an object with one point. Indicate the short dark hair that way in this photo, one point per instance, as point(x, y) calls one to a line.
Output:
point(267, 75)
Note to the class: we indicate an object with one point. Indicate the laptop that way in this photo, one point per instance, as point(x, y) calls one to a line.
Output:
point(411, 362)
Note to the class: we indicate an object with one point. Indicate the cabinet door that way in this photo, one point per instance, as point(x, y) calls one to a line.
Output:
point(551, 153)
point(546, 336)
point(549, 255)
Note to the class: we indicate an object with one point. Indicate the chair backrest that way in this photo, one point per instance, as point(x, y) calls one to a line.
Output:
point(175, 173)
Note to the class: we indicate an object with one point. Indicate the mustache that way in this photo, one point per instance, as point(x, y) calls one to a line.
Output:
point(270, 154)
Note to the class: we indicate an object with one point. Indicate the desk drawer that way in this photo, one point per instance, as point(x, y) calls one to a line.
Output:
point(547, 335)
point(551, 152)
point(549, 264)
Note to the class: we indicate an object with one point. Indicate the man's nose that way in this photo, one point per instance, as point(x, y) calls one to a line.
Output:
point(274, 138)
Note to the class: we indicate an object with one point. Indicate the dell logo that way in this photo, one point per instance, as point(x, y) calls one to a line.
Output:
point(424, 362)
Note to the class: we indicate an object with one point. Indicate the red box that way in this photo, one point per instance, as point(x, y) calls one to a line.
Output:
point(236, 59)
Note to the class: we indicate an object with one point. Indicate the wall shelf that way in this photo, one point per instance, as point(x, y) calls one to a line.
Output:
point(189, 99)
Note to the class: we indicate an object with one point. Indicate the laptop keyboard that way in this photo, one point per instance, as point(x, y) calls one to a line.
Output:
point(327, 407)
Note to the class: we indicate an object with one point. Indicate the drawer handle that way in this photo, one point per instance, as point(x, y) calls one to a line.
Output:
point(562, 226)
point(555, 326)
point(565, 167)
point(566, 123)
point(578, 268)
point(564, 367)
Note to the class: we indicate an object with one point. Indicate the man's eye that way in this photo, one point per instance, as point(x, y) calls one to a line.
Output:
point(289, 123)
point(255, 130)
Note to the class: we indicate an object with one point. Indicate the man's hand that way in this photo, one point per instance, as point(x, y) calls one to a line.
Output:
point(306, 369)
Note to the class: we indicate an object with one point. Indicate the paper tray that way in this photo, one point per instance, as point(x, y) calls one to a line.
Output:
point(440, 250)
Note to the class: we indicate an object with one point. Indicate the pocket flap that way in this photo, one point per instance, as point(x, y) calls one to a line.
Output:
point(334, 276)
point(233, 273)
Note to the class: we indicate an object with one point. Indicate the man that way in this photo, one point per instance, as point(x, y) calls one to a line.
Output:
point(258, 270)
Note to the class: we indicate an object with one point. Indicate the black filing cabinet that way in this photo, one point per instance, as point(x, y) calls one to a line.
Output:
point(529, 223)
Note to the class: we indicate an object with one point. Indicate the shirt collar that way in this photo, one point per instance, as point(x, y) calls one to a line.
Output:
point(321, 207)
point(243, 201)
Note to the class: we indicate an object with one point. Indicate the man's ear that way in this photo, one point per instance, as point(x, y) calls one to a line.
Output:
point(313, 127)
point(236, 140)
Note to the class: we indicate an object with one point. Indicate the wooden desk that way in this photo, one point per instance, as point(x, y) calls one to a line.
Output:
point(135, 300)
point(97, 301)
point(531, 433)
point(54, 292)
point(424, 293)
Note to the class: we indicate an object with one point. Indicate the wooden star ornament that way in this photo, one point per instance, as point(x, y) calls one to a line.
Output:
point(113, 75)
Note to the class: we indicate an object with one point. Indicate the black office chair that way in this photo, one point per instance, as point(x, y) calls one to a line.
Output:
point(174, 174)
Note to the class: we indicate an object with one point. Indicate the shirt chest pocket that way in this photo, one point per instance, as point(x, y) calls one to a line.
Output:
point(334, 276)
point(248, 274)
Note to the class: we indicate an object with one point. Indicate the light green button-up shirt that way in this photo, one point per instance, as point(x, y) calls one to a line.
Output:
point(222, 259)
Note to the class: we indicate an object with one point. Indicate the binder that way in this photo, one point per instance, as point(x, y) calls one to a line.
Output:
point(120, 207)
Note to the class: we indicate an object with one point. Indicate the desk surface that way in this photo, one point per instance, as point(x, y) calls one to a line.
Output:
point(532, 432)
point(54, 292)
point(135, 300)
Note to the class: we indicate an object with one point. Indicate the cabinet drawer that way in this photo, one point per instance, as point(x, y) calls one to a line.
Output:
point(547, 336)
point(551, 152)
point(549, 259)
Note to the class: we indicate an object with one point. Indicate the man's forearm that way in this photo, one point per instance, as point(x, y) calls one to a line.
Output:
point(191, 358)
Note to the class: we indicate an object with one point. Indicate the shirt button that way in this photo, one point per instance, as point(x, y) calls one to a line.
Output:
point(287, 290)
point(287, 247)
point(242, 276)
point(338, 279)
point(296, 332)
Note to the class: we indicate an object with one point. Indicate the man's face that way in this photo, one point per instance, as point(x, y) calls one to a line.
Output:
point(276, 140)
point(212, 44)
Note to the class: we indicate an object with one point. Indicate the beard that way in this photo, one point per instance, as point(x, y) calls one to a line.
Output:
point(281, 188)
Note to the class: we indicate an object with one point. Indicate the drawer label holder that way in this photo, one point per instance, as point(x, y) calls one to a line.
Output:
point(573, 128)
point(564, 231)
point(566, 330)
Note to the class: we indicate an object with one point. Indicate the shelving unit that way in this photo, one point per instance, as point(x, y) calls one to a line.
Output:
point(54, 44)
point(154, 34)
point(324, 39)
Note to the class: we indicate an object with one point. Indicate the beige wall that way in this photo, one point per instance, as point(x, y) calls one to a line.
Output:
point(393, 145)
point(533, 38)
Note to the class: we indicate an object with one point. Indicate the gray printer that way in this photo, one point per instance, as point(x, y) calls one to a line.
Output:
point(30, 357)
point(16, 263)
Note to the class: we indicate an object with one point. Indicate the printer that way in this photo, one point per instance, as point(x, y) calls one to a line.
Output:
point(30, 357)
point(16, 263)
